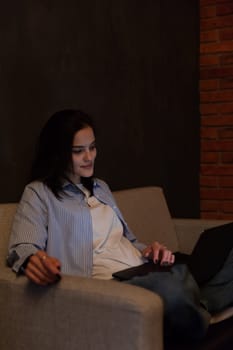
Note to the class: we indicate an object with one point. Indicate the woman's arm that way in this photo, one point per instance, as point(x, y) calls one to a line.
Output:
point(155, 251)
point(28, 238)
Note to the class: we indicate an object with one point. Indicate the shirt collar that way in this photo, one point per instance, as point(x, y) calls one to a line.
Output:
point(67, 185)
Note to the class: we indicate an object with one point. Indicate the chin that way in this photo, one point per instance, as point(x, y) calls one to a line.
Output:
point(87, 174)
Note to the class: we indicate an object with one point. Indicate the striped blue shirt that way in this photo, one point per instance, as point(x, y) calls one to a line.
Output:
point(63, 228)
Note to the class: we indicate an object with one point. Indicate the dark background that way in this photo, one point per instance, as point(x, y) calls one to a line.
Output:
point(133, 65)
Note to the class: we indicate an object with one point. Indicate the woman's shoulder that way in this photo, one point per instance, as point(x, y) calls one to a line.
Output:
point(101, 183)
point(103, 189)
point(37, 188)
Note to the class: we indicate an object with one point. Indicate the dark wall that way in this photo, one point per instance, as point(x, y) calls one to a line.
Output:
point(133, 65)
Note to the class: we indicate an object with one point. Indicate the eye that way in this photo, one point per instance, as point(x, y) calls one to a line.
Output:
point(77, 150)
point(92, 147)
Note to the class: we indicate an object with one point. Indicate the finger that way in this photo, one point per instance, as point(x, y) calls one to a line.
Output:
point(147, 251)
point(165, 255)
point(34, 278)
point(52, 265)
point(56, 263)
point(36, 275)
point(157, 251)
point(168, 258)
point(172, 259)
point(156, 254)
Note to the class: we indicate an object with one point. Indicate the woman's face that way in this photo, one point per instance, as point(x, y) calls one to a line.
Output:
point(83, 154)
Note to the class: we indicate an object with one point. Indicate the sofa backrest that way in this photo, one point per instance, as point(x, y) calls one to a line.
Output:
point(147, 214)
point(7, 212)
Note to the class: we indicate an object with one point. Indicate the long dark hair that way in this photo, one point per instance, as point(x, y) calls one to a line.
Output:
point(53, 152)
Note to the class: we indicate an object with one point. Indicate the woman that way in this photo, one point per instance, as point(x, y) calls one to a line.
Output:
point(67, 222)
point(52, 230)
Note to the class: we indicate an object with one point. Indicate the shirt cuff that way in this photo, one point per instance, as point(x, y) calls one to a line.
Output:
point(19, 256)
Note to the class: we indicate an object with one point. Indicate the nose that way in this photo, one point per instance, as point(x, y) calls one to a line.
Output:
point(87, 155)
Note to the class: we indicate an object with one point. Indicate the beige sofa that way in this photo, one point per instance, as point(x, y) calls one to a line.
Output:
point(85, 314)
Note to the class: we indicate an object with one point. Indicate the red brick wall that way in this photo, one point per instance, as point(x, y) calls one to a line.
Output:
point(216, 108)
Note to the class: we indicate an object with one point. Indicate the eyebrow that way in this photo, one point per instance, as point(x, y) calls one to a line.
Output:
point(84, 146)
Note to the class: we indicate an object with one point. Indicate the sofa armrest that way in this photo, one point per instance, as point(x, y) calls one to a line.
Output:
point(79, 313)
point(189, 230)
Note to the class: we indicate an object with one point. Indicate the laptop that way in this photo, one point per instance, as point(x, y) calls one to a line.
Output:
point(207, 258)
point(210, 252)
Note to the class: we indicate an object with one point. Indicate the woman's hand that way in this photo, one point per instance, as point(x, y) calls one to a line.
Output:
point(158, 252)
point(43, 269)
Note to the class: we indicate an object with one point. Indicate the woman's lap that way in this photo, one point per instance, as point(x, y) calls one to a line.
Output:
point(180, 293)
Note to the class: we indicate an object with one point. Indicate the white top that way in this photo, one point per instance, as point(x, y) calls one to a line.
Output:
point(111, 250)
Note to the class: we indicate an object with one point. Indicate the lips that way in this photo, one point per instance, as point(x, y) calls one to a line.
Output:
point(88, 166)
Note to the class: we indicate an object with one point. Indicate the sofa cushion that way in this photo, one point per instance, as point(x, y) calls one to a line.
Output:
point(7, 212)
point(147, 214)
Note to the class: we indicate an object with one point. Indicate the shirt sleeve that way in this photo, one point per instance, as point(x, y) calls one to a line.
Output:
point(139, 245)
point(29, 229)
